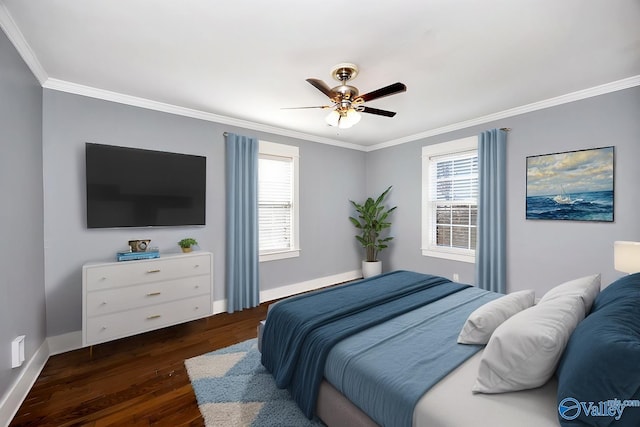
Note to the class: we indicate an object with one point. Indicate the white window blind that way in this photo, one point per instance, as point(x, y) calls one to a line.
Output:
point(454, 199)
point(278, 201)
point(275, 203)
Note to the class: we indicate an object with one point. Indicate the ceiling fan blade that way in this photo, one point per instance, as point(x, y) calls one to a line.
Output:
point(322, 87)
point(378, 112)
point(385, 91)
point(305, 108)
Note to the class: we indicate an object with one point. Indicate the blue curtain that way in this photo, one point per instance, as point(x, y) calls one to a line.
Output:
point(491, 264)
point(242, 280)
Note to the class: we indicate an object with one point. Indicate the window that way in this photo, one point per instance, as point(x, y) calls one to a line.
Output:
point(278, 201)
point(450, 199)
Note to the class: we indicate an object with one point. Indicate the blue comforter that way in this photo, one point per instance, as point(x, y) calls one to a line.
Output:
point(386, 369)
point(300, 331)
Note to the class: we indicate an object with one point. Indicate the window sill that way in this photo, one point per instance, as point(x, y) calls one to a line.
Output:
point(273, 256)
point(450, 255)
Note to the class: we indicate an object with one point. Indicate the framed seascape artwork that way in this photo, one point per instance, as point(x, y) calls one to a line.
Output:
point(573, 186)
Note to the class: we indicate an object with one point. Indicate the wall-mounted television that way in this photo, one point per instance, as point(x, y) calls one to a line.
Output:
point(132, 187)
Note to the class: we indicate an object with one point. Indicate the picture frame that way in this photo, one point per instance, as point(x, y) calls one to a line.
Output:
point(572, 185)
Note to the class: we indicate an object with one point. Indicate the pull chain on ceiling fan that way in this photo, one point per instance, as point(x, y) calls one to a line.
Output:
point(347, 103)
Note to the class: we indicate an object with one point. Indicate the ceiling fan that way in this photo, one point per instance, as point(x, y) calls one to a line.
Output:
point(347, 103)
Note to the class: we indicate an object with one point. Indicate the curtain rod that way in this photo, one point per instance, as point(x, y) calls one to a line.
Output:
point(225, 133)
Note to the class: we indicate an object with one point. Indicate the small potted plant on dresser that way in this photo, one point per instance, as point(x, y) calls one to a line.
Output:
point(372, 221)
point(186, 244)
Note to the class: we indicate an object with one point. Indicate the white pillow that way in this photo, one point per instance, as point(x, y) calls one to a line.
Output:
point(586, 288)
point(485, 319)
point(523, 352)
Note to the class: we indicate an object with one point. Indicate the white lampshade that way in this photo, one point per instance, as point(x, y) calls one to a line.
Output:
point(627, 256)
point(333, 118)
point(343, 120)
point(352, 117)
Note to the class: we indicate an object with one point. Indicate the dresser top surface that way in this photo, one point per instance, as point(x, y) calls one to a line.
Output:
point(163, 256)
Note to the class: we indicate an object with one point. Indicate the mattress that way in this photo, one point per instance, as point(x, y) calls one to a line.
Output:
point(450, 403)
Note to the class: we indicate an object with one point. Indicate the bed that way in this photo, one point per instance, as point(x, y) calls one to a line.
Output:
point(465, 356)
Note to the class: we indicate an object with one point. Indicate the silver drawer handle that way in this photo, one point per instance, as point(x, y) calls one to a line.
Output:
point(153, 271)
point(155, 316)
point(153, 294)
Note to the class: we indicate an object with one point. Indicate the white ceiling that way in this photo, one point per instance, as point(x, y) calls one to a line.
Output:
point(241, 61)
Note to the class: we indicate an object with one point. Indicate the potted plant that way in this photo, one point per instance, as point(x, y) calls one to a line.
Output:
point(372, 221)
point(187, 243)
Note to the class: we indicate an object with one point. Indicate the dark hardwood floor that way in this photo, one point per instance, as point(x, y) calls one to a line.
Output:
point(135, 381)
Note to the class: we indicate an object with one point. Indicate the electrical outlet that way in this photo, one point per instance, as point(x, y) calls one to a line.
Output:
point(456, 277)
point(17, 351)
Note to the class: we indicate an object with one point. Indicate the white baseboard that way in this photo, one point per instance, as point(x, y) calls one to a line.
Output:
point(65, 342)
point(309, 285)
point(220, 306)
point(18, 391)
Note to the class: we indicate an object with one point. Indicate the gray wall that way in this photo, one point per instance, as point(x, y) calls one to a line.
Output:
point(540, 254)
point(329, 176)
point(22, 302)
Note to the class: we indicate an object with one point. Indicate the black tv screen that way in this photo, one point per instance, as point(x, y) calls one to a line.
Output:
point(131, 187)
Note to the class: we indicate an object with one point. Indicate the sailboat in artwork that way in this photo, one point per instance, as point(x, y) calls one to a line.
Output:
point(563, 198)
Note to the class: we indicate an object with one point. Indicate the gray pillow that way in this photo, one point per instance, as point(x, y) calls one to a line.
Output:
point(524, 351)
point(485, 319)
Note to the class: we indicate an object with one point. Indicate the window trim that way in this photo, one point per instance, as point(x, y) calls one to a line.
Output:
point(267, 148)
point(429, 151)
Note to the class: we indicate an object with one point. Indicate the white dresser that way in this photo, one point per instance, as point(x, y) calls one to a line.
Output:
point(125, 298)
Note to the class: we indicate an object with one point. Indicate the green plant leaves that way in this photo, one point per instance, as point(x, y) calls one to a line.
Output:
point(187, 243)
point(372, 221)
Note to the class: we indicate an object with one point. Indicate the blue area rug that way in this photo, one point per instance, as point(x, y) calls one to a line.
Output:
point(234, 389)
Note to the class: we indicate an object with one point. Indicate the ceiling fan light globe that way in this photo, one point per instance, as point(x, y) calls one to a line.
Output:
point(353, 116)
point(349, 118)
point(333, 118)
point(344, 124)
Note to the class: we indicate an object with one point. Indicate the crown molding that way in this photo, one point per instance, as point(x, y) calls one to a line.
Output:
point(551, 102)
point(14, 34)
point(92, 92)
point(77, 89)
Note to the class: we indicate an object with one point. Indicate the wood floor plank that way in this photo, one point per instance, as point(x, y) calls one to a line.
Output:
point(135, 381)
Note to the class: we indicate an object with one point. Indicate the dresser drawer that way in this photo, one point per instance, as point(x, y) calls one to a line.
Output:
point(125, 298)
point(133, 272)
point(117, 325)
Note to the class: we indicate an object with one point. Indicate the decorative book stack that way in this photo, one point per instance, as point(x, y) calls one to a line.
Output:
point(129, 256)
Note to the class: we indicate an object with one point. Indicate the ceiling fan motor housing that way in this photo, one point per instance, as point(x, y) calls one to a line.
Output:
point(344, 72)
point(345, 93)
